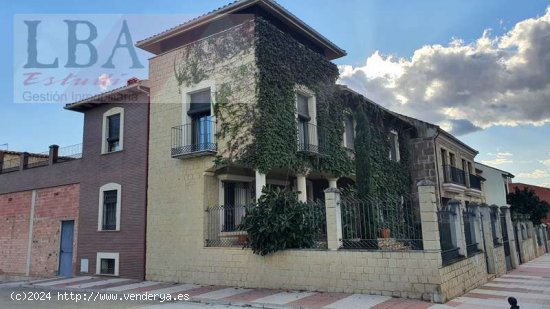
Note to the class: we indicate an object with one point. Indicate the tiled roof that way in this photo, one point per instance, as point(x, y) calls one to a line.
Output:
point(240, 4)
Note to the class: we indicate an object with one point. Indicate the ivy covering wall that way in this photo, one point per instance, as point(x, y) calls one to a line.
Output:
point(260, 130)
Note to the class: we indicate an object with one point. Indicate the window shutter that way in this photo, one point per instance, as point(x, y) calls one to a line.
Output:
point(200, 102)
point(303, 107)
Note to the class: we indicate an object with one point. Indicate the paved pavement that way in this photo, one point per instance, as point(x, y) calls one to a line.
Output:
point(530, 284)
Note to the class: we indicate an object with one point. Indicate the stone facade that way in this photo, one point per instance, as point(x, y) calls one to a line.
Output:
point(463, 276)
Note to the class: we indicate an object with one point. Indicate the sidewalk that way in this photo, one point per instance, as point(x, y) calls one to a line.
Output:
point(530, 284)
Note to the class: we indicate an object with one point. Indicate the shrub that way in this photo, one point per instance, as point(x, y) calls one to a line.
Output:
point(278, 222)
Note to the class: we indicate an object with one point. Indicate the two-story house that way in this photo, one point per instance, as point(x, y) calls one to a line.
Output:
point(80, 210)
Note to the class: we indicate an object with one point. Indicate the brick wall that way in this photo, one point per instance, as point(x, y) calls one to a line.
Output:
point(15, 212)
point(52, 205)
point(463, 276)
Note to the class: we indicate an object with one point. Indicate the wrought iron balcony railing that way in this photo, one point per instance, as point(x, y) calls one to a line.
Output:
point(454, 175)
point(475, 182)
point(312, 139)
point(194, 139)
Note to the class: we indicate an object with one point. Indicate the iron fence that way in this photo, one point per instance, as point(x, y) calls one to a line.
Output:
point(391, 223)
point(69, 153)
point(193, 138)
point(469, 217)
point(10, 165)
point(224, 225)
point(446, 219)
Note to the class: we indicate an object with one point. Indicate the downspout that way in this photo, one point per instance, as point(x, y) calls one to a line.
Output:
point(437, 166)
point(146, 180)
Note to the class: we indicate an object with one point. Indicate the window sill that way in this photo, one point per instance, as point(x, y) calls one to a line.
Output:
point(112, 152)
point(109, 231)
point(107, 275)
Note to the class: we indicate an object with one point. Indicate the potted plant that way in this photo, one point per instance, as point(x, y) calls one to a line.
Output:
point(385, 232)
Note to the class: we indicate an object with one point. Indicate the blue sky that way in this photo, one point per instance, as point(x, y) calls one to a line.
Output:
point(388, 33)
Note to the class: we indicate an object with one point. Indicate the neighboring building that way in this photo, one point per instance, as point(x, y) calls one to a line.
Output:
point(81, 209)
point(495, 184)
point(542, 192)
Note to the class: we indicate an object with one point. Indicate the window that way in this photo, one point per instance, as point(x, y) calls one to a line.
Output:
point(307, 123)
point(236, 195)
point(444, 157)
point(349, 133)
point(107, 263)
point(109, 210)
point(201, 121)
point(394, 146)
point(109, 207)
point(113, 130)
point(452, 161)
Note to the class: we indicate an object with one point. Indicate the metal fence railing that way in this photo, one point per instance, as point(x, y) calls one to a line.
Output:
point(469, 218)
point(454, 175)
point(391, 223)
point(223, 226)
point(312, 139)
point(193, 138)
point(446, 220)
point(69, 153)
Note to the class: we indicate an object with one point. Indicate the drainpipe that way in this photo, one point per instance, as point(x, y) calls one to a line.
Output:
point(437, 166)
point(146, 181)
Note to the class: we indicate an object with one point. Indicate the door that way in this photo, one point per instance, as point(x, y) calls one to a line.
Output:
point(66, 249)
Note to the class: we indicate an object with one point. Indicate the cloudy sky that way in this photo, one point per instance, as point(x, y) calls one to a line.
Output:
point(479, 69)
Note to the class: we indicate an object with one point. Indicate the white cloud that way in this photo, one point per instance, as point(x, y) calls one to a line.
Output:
point(536, 174)
point(500, 158)
point(104, 81)
point(545, 162)
point(495, 80)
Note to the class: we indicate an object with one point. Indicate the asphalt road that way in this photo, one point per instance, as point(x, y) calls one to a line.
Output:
point(9, 293)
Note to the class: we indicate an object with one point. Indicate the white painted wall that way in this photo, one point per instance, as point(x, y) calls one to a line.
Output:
point(494, 185)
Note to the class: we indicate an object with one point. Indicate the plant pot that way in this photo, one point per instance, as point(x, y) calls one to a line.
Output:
point(385, 233)
point(242, 239)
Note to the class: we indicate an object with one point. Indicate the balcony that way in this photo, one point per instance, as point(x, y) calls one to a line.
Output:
point(454, 179)
point(312, 139)
point(475, 182)
point(194, 139)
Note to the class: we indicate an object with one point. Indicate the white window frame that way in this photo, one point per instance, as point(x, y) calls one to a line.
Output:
point(107, 255)
point(344, 140)
point(187, 91)
point(102, 189)
point(105, 131)
point(396, 145)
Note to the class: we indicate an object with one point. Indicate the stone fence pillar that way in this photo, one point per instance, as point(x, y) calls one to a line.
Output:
point(488, 237)
point(511, 236)
point(428, 216)
point(334, 218)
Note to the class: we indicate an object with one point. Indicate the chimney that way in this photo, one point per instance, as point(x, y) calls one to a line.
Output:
point(131, 81)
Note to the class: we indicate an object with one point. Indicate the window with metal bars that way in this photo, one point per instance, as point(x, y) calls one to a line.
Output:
point(109, 210)
point(113, 133)
point(107, 267)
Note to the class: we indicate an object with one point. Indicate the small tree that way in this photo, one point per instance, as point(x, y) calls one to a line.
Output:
point(528, 203)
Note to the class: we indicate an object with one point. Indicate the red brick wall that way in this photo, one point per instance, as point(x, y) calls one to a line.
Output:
point(15, 209)
point(51, 207)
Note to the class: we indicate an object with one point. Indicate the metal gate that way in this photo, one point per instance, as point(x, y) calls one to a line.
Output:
point(506, 241)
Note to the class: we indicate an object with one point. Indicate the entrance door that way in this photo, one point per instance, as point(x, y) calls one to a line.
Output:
point(66, 249)
point(506, 242)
